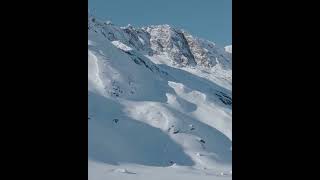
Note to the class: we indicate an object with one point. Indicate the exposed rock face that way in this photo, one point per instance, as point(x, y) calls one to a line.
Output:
point(179, 45)
point(165, 39)
point(164, 97)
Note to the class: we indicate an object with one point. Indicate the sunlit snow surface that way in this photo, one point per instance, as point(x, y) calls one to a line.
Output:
point(152, 119)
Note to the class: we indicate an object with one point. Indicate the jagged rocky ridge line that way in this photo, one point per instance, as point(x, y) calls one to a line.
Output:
point(155, 100)
point(182, 47)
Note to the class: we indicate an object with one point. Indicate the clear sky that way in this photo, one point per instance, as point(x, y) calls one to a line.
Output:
point(208, 19)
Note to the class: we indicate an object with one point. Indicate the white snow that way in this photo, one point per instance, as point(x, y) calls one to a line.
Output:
point(228, 49)
point(141, 40)
point(151, 119)
point(122, 46)
point(100, 171)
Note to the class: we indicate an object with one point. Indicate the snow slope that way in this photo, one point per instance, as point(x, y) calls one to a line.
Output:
point(160, 104)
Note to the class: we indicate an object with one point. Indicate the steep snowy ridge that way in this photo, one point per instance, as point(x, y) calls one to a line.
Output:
point(182, 47)
point(160, 103)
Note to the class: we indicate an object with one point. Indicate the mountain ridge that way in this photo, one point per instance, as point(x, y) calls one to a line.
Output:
point(157, 39)
point(156, 99)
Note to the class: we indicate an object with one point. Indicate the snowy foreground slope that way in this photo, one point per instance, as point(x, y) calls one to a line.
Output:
point(160, 104)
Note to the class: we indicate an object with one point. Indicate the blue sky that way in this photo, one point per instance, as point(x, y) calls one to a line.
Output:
point(208, 19)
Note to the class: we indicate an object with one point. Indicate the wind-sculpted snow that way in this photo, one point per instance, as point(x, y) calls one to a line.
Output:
point(128, 140)
point(158, 97)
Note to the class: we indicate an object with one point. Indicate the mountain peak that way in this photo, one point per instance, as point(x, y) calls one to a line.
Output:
point(179, 45)
point(160, 101)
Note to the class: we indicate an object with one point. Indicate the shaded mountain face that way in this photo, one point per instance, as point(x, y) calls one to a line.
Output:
point(179, 45)
point(157, 97)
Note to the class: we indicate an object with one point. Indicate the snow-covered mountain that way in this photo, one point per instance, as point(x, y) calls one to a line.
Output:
point(160, 104)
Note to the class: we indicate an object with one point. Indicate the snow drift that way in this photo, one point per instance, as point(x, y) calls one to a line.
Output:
point(158, 97)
